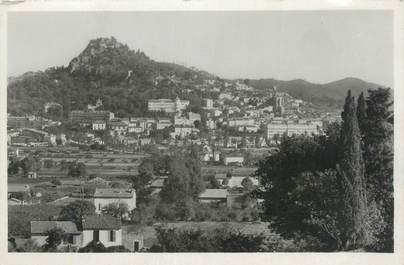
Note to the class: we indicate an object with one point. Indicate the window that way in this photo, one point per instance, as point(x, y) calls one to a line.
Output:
point(112, 236)
point(96, 235)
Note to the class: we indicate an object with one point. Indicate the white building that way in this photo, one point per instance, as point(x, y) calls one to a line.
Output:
point(208, 103)
point(213, 195)
point(105, 196)
point(101, 228)
point(167, 105)
point(291, 129)
point(163, 123)
point(182, 131)
point(99, 125)
point(233, 159)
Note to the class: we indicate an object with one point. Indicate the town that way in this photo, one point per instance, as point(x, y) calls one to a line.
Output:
point(101, 151)
point(121, 160)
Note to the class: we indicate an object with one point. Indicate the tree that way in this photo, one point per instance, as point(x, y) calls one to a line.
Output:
point(213, 183)
point(361, 112)
point(77, 169)
point(197, 240)
point(115, 209)
point(30, 163)
point(298, 200)
point(351, 170)
point(377, 135)
point(247, 184)
point(75, 211)
point(54, 238)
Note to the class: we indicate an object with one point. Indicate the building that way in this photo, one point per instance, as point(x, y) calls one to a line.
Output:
point(182, 131)
point(208, 103)
point(213, 195)
point(279, 129)
point(233, 159)
point(39, 230)
point(237, 122)
point(14, 122)
point(163, 123)
point(277, 103)
point(86, 118)
point(104, 196)
point(194, 117)
point(167, 105)
point(99, 125)
point(118, 126)
point(101, 228)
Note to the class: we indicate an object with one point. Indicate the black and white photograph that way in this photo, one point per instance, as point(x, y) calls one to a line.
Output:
point(200, 131)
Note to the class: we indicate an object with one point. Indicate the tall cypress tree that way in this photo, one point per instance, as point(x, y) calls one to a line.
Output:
point(351, 171)
point(378, 141)
point(361, 113)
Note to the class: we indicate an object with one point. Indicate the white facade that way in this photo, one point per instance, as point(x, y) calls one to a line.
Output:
point(99, 126)
point(108, 238)
point(228, 159)
point(291, 128)
point(103, 197)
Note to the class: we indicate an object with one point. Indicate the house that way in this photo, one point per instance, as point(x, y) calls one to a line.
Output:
point(22, 192)
point(105, 196)
point(134, 241)
point(39, 230)
point(118, 126)
point(99, 125)
point(101, 228)
point(32, 175)
point(213, 195)
point(233, 159)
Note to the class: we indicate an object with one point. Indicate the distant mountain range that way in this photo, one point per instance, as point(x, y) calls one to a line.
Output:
point(327, 95)
point(126, 79)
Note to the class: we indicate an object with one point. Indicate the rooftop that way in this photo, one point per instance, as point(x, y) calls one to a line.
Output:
point(102, 222)
point(18, 188)
point(113, 193)
point(213, 193)
point(41, 227)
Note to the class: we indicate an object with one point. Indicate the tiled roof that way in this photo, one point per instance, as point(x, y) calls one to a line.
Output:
point(100, 222)
point(41, 227)
point(213, 193)
point(113, 193)
point(18, 188)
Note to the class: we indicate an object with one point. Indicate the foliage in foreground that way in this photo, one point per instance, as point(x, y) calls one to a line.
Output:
point(338, 194)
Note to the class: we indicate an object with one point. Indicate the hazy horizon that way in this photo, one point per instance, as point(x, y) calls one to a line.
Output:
point(316, 46)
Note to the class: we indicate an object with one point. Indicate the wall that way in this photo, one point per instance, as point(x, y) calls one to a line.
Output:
point(104, 238)
point(101, 202)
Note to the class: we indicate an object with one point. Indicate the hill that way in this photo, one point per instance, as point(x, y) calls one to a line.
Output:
point(330, 95)
point(125, 79)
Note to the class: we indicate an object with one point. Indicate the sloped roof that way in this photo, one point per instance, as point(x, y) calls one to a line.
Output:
point(41, 227)
point(113, 193)
point(100, 222)
point(18, 188)
point(213, 193)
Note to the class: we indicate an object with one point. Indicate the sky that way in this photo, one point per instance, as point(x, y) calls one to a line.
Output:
point(318, 46)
